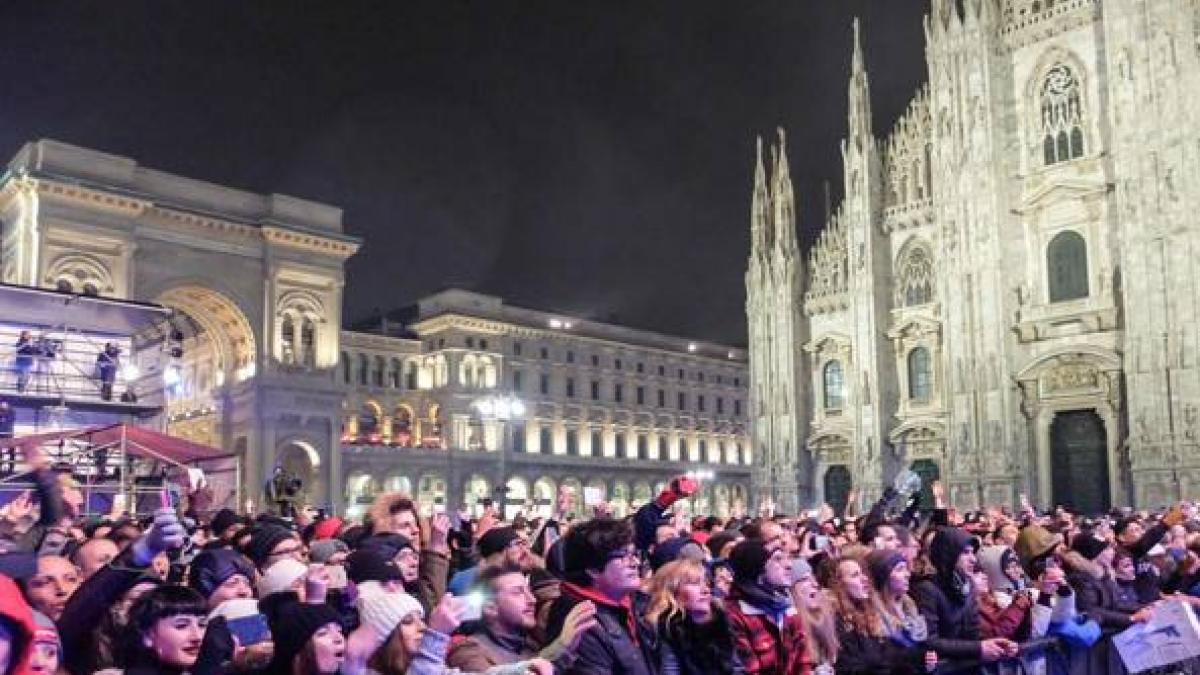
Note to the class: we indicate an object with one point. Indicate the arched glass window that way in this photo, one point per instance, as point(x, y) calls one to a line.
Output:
point(346, 367)
point(920, 376)
point(1062, 116)
point(915, 274)
point(834, 386)
point(1067, 267)
point(308, 342)
point(288, 336)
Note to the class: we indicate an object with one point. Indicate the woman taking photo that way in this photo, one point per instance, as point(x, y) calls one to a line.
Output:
point(694, 631)
point(871, 642)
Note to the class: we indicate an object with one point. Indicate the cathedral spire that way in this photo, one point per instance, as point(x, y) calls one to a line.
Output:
point(783, 200)
point(859, 95)
point(760, 209)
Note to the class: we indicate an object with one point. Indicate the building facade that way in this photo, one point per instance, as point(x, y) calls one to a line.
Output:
point(1005, 297)
point(485, 400)
point(465, 396)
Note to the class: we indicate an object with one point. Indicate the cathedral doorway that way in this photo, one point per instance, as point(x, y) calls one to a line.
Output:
point(929, 472)
point(1079, 461)
point(837, 487)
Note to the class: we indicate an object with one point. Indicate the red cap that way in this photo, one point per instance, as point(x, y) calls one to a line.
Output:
point(327, 528)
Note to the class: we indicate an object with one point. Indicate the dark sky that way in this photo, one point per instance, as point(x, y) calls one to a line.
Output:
point(588, 157)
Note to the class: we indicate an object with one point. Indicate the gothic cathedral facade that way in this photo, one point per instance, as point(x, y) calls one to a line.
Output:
point(1006, 298)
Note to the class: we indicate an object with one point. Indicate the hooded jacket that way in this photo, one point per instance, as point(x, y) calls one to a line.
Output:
point(947, 601)
point(19, 618)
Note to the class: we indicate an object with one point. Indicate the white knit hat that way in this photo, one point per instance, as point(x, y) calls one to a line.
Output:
point(235, 608)
point(280, 576)
point(384, 611)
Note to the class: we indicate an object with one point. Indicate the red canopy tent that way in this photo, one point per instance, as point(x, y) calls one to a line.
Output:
point(123, 440)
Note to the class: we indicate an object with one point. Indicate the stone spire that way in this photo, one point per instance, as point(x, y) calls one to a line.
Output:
point(859, 95)
point(760, 209)
point(784, 201)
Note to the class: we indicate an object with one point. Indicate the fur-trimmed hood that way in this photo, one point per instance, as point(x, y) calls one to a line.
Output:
point(1075, 562)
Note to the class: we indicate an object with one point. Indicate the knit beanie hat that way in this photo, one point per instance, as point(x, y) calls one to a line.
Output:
point(880, 564)
point(264, 540)
point(1088, 545)
point(675, 548)
point(495, 540)
point(213, 567)
point(748, 560)
point(327, 528)
point(293, 626)
point(222, 520)
point(323, 549)
point(280, 576)
point(45, 630)
point(236, 608)
point(367, 564)
point(384, 610)
point(389, 544)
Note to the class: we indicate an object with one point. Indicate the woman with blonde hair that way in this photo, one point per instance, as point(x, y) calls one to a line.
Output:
point(693, 629)
point(820, 620)
point(871, 642)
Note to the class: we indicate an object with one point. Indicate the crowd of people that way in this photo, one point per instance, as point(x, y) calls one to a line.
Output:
point(898, 589)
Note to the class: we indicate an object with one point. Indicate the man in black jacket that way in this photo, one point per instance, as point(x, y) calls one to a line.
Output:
point(602, 567)
point(947, 601)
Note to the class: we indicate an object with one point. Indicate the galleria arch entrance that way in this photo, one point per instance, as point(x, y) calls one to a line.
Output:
point(218, 350)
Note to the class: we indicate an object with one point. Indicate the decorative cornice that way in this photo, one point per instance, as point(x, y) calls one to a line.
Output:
point(308, 242)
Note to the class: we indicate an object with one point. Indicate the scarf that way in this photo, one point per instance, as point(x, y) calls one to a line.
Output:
point(625, 605)
point(774, 603)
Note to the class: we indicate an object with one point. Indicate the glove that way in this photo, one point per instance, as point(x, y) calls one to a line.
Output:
point(680, 487)
point(216, 650)
point(165, 534)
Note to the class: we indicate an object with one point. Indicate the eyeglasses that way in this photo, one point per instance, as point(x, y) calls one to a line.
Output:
point(630, 553)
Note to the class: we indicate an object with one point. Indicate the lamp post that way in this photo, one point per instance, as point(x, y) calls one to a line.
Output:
point(504, 409)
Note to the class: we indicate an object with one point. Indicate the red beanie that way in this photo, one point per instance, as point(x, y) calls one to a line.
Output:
point(327, 528)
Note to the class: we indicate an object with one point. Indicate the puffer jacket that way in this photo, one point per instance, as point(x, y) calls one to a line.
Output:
point(948, 605)
point(688, 648)
point(622, 643)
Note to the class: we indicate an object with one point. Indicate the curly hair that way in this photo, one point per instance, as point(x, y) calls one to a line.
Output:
point(389, 504)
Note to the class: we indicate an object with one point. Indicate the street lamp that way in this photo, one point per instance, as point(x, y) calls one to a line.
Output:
point(505, 409)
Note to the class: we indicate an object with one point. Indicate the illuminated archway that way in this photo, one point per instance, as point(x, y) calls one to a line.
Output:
point(219, 348)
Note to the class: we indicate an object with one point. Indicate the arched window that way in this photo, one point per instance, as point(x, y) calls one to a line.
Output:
point(834, 386)
point(363, 373)
point(346, 366)
point(288, 334)
point(1062, 116)
point(1067, 267)
point(914, 271)
point(572, 442)
point(920, 375)
point(308, 342)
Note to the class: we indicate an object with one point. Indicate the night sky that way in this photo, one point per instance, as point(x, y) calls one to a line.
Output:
point(586, 157)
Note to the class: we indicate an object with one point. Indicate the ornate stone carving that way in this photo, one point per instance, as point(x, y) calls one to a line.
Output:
point(1071, 377)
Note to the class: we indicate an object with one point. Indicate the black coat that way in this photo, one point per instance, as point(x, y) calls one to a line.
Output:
point(609, 647)
point(862, 654)
point(951, 616)
point(699, 649)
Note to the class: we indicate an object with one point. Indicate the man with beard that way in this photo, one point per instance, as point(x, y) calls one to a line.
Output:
point(508, 617)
